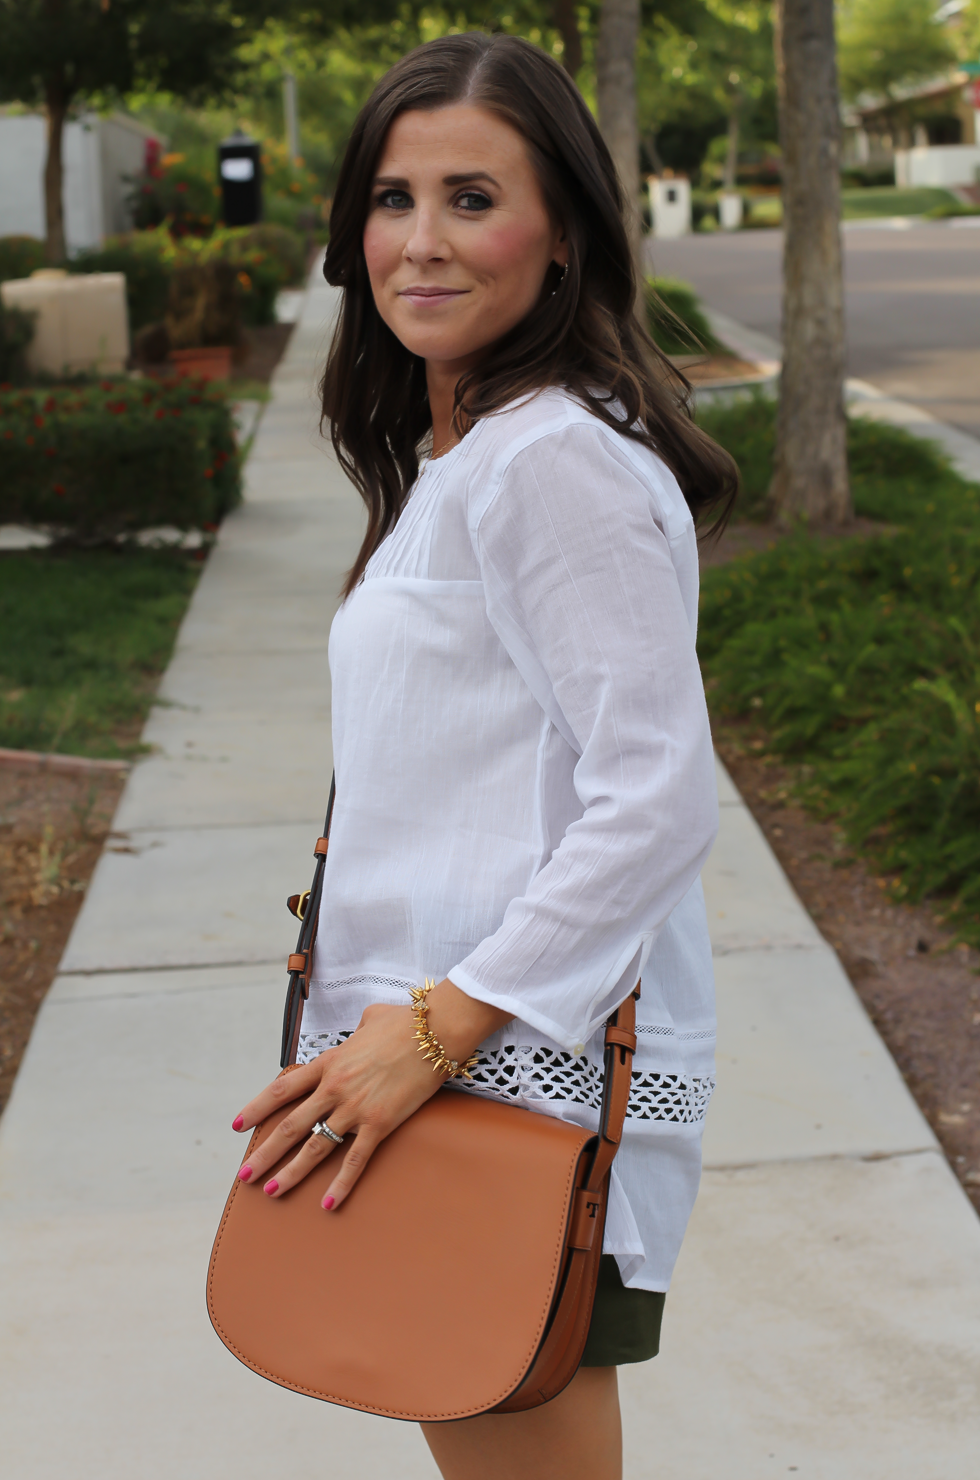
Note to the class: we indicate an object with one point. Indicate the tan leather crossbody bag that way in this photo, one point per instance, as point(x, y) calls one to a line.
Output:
point(472, 1217)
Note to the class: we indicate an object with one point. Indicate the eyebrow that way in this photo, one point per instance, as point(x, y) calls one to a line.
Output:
point(466, 178)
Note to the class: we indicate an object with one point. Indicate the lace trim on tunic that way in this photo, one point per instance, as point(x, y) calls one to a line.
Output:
point(521, 1071)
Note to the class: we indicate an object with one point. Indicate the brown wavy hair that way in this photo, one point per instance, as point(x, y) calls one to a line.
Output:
point(585, 336)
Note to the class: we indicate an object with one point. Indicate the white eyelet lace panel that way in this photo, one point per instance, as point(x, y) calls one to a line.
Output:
point(523, 1072)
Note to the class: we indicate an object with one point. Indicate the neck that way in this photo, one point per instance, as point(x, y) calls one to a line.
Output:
point(442, 377)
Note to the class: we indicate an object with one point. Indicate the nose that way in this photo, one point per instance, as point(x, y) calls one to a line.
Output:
point(426, 239)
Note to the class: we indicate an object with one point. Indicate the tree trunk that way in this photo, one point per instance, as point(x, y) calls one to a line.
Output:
point(731, 158)
point(619, 29)
point(810, 479)
point(564, 15)
point(55, 249)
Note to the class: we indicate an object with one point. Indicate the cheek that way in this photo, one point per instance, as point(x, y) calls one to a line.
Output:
point(510, 251)
point(382, 251)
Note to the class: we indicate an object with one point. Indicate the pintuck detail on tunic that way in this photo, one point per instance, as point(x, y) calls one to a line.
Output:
point(526, 790)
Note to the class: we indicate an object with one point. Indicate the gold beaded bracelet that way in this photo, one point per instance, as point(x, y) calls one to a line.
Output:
point(429, 1044)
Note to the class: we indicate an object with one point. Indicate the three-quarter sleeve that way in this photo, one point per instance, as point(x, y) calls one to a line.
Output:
point(578, 556)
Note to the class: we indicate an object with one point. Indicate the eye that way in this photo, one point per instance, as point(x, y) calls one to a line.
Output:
point(473, 201)
point(394, 200)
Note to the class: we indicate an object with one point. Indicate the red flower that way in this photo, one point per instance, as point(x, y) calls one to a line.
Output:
point(30, 441)
point(50, 404)
point(59, 489)
point(181, 186)
point(5, 385)
point(209, 472)
point(8, 434)
point(147, 399)
point(176, 411)
point(105, 385)
point(39, 421)
point(159, 414)
point(50, 452)
point(210, 528)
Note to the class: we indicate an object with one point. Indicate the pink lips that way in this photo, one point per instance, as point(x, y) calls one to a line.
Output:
point(420, 296)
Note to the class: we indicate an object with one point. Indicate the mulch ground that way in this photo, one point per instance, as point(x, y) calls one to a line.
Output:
point(52, 827)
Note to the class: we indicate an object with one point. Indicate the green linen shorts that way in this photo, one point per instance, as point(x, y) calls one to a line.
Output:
point(625, 1324)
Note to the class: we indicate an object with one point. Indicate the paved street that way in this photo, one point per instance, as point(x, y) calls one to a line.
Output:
point(913, 304)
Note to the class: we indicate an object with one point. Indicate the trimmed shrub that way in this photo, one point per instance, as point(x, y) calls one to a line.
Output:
point(146, 258)
point(676, 319)
point(99, 461)
point(265, 258)
point(893, 474)
point(860, 659)
point(20, 256)
point(16, 333)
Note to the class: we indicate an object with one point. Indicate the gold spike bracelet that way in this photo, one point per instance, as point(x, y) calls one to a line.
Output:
point(429, 1045)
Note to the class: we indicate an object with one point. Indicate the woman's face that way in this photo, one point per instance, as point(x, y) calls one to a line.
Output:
point(458, 238)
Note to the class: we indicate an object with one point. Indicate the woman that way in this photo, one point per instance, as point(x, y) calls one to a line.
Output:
point(525, 784)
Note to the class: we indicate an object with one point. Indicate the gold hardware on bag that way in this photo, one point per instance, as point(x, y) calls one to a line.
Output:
point(301, 904)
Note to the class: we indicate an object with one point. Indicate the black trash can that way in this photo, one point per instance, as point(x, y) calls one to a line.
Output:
point(240, 168)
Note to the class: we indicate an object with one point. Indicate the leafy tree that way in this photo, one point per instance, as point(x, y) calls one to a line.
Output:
point(708, 69)
point(58, 53)
point(886, 45)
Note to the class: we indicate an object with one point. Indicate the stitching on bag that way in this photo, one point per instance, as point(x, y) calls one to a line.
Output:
point(333, 1397)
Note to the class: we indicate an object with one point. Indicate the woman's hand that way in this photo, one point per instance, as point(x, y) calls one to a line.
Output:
point(368, 1086)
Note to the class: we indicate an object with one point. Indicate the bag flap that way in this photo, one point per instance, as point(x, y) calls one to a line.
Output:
point(426, 1295)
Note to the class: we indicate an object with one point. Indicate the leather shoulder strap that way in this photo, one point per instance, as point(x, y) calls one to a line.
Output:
point(620, 1027)
point(300, 963)
point(616, 1083)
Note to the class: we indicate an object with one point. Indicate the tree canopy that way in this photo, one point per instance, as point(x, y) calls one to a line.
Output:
point(884, 46)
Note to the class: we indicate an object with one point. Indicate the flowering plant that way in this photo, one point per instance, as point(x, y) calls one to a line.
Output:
point(105, 458)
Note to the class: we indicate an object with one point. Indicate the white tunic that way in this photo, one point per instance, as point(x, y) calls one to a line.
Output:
point(526, 791)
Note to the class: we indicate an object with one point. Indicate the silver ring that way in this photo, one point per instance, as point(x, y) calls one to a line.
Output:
point(322, 1129)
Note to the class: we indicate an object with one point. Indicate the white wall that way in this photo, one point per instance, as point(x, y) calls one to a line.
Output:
point(98, 154)
point(943, 165)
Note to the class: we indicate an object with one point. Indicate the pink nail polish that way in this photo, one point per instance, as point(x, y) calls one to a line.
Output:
point(238, 1122)
point(327, 1202)
point(244, 1173)
point(271, 1186)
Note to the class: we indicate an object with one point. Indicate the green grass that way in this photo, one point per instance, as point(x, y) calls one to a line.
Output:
point(84, 637)
point(861, 658)
point(890, 200)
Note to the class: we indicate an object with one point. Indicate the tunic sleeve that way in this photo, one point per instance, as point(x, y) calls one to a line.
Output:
point(574, 547)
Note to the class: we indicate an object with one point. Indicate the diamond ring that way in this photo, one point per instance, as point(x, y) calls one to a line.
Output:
point(322, 1129)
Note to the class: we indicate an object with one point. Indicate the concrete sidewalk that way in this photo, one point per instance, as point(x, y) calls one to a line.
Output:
point(825, 1317)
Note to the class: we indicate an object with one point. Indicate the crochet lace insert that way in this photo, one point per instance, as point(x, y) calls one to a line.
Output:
point(525, 1072)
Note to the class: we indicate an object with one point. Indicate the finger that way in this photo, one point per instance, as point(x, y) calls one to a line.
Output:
point(296, 1126)
point(287, 1087)
point(314, 1150)
point(357, 1158)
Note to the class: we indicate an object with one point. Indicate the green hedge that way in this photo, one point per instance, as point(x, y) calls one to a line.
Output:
point(891, 471)
point(97, 462)
point(20, 256)
point(676, 320)
point(16, 333)
point(861, 658)
point(266, 258)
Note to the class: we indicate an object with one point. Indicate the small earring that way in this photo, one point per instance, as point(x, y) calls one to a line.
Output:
point(564, 272)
